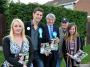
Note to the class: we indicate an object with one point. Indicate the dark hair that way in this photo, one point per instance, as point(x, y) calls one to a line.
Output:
point(38, 9)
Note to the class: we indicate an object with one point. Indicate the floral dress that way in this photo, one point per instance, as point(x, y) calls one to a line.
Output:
point(16, 50)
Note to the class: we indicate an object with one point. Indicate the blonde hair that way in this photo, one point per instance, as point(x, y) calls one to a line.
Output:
point(68, 33)
point(12, 32)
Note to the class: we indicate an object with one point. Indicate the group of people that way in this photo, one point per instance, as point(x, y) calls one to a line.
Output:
point(22, 46)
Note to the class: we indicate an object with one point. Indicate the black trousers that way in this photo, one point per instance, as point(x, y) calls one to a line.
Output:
point(49, 61)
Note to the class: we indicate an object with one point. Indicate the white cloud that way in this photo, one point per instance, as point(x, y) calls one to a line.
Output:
point(38, 1)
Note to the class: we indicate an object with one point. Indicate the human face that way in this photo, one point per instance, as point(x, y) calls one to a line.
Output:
point(50, 21)
point(72, 30)
point(64, 25)
point(37, 16)
point(17, 28)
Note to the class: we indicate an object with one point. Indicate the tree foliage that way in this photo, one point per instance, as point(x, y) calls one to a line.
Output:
point(24, 12)
point(3, 6)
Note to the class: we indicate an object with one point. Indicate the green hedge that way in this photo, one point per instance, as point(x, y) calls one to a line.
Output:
point(3, 6)
point(24, 12)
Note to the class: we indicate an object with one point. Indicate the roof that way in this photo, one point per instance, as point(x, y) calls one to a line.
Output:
point(65, 1)
point(58, 2)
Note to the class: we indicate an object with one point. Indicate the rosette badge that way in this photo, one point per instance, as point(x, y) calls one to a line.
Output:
point(40, 32)
point(28, 28)
point(54, 34)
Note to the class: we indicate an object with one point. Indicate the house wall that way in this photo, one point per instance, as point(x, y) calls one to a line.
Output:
point(83, 5)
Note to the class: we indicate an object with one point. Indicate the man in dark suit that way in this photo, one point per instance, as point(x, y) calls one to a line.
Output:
point(36, 31)
point(50, 28)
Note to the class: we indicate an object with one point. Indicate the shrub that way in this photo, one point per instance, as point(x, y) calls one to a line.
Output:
point(24, 12)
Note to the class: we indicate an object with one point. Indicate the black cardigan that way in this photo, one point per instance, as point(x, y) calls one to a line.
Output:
point(40, 40)
point(79, 45)
point(11, 57)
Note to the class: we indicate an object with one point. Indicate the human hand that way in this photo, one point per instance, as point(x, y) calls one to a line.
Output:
point(57, 40)
point(21, 57)
point(47, 53)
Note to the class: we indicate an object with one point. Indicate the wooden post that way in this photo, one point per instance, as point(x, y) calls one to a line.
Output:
point(88, 31)
point(2, 27)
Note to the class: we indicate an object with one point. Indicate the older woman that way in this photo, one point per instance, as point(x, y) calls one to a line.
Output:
point(16, 46)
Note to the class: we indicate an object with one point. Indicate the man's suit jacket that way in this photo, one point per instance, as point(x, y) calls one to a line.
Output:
point(55, 29)
point(28, 32)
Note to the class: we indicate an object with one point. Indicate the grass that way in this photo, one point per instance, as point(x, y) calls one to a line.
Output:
point(1, 58)
point(86, 60)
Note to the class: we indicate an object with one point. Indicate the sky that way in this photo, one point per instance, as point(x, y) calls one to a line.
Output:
point(38, 1)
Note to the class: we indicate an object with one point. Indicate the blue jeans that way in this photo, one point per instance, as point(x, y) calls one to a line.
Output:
point(68, 65)
point(31, 65)
point(59, 60)
point(37, 62)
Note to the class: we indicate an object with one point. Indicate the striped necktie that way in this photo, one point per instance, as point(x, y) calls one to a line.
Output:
point(51, 31)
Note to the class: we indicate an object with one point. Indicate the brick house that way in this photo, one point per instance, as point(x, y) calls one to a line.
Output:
point(84, 5)
point(69, 4)
point(80, 5)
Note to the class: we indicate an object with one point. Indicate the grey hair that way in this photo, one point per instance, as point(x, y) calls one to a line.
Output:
point(50, 16)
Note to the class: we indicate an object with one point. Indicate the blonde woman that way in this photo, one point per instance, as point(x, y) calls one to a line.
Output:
point(16, 46)
point(71, 44)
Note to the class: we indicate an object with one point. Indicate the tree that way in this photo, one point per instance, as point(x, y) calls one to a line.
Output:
point(3, 6)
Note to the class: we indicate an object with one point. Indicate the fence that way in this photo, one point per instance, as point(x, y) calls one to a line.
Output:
point(2, 27)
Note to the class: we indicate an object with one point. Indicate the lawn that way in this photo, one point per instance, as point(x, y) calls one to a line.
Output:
point(86, 60)
point(1, 58)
